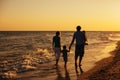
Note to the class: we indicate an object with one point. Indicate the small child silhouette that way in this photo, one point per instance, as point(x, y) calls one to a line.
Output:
point(84, 32)
point(65, 55)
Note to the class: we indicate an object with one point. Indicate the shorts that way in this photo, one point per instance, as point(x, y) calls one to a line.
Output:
point(57, 53)
point(65, 58)
point(79, 50)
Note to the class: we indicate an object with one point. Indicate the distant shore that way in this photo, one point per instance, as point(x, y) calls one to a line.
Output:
point(106, 69)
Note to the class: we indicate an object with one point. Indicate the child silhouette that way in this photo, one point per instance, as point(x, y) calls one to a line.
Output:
point(65, 55)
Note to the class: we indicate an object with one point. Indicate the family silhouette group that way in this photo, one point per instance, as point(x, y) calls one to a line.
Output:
point(81, 41)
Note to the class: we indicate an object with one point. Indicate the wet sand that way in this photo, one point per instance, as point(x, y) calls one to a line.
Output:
point(106, 69)
point(28, 68)
point(49, 71)
point(112, 70)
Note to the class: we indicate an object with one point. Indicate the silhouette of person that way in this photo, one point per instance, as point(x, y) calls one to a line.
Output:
point(65, 55)
point(84, 32)
point(79, 47)
point(57, 46)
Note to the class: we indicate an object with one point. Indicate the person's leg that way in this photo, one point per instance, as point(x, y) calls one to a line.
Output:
point(56, 62)
point(65, 60)
point(76, 57)
point(57, 55)
point(80, 60)
point(76, 61)
point(81, 55)
point(81, 69)
point(65, 64)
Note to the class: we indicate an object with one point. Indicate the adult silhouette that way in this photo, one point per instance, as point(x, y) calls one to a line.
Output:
point(57, 46)
point(79, 47)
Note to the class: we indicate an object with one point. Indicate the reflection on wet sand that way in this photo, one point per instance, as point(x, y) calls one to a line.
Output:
point(59, 74)
point(81, 70)
point(77, 73)
point(67, 76)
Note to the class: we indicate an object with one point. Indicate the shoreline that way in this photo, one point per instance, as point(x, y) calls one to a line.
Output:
point(105, 69)
point(49, 71)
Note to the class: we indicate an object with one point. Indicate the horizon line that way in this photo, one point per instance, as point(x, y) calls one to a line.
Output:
point(53, 30)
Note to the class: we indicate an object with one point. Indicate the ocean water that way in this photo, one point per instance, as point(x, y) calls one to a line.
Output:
point(25, 49)
point(25, 42)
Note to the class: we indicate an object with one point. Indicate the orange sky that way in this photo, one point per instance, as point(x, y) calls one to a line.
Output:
point(92, 15)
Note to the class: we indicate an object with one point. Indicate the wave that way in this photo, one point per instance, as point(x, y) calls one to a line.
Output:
point(11, 65)
point(114, 37)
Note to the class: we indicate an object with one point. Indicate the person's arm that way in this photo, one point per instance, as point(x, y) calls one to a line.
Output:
point(60, 44)
point(72, 42)
point(86, 43)
point(68, 50)
point(53, 43)
point(85, 38)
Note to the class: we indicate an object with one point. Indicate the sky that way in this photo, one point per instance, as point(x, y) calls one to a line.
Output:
point(63, 15)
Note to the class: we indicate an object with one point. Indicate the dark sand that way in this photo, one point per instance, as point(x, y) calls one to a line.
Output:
point(106, 69)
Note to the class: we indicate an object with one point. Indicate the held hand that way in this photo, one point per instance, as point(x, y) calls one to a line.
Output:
point(86, 43)
point(69, 48)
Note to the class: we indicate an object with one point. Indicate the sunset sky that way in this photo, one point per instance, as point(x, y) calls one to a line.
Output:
point(47, 15)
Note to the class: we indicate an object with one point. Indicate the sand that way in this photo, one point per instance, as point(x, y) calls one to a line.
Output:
point(105, 69)
point(111, 71)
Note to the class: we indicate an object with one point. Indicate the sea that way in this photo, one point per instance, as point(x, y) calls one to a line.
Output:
point(18, 48)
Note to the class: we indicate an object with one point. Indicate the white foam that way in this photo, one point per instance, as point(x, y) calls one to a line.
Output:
point(106, 52)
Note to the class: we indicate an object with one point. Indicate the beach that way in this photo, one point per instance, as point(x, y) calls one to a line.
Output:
point(35, 61)
point(111, 71)
point(106, 69)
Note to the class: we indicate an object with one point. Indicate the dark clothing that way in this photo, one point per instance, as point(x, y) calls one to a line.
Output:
point(80, 42)
point(79, 50)
point(80, 37)
point(65, 56)
point(56, 41)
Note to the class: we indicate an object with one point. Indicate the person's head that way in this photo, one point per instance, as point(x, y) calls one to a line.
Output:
point(57, 33)
point(64, 47)
point(83, 31)
point(78, 28)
